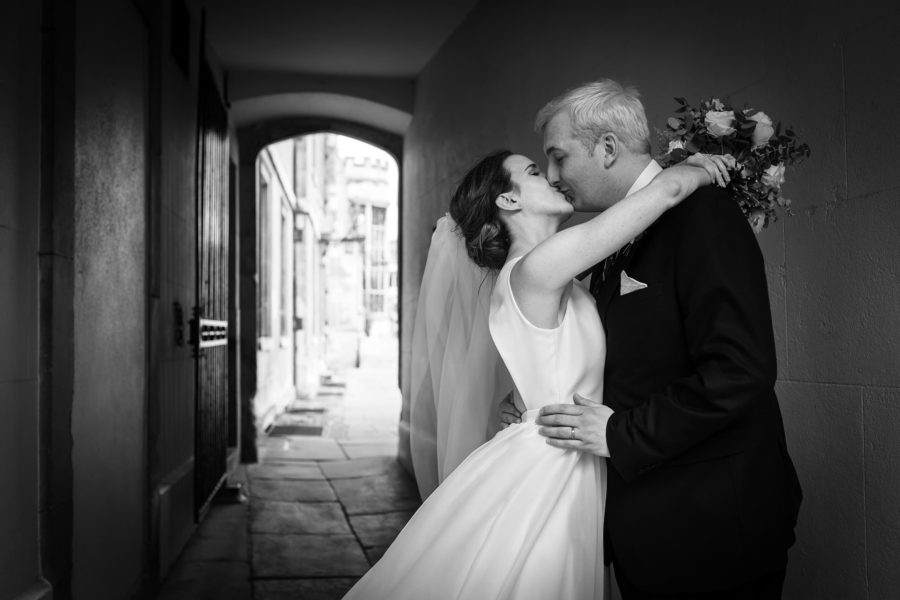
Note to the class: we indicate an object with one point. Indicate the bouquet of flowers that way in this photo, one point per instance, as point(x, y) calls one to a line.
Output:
point(760, 148)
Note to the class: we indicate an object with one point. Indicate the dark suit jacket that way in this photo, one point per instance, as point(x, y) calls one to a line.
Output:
point(702, 494)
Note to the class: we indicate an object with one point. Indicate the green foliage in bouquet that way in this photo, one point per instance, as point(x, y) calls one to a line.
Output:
point(760, 147)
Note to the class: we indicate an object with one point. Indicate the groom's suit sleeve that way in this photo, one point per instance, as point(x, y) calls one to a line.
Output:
point(721, 290)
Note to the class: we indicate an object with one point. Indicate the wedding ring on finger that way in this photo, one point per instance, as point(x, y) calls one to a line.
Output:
point(573, 433)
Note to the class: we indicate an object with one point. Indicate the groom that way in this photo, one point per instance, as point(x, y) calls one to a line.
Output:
point(702, 495)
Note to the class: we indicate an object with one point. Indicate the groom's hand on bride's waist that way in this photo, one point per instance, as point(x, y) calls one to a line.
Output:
point(580, 426)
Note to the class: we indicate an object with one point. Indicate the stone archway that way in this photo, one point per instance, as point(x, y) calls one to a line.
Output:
point(255, 136)
point(252, 139)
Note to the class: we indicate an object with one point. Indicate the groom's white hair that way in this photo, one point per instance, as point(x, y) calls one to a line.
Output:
point(600, 107)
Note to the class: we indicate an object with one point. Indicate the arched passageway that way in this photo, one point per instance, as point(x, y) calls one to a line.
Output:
point(254, 139)
point(326, 309)
point(319, 214)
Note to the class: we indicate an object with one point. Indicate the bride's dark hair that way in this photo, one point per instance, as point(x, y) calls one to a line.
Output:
point(475, 210)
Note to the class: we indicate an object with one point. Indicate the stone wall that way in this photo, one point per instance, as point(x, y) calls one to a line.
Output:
point(275, 356)
point(110, 321)
point(19, 238)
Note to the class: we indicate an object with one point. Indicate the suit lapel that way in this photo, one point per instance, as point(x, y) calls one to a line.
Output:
point(605, 291)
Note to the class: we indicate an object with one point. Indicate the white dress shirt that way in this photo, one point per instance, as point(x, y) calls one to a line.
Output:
point(650, 171)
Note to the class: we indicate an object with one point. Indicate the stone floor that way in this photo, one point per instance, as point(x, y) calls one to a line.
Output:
point(317, 511)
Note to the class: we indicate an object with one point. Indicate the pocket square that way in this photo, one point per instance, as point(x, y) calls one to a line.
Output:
point(628, 285)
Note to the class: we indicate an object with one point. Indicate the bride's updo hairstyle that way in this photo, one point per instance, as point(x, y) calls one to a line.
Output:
point(476, 213)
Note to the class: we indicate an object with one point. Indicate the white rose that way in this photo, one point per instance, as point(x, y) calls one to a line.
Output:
point(757, 220)
point(774, 176)
point(719, 122)
point(676, 145)
point(763, 130)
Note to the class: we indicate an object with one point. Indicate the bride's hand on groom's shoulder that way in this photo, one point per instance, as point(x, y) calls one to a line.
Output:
point(580, 426)
point(716, 166)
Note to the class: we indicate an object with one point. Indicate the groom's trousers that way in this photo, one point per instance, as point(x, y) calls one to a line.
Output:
point(767, 588)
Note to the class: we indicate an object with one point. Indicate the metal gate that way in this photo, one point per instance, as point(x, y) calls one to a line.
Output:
point(209, 331)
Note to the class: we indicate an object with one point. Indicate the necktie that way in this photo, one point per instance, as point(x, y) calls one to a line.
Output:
point(609, 261)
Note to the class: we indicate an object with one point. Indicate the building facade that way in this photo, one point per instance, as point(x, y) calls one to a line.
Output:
point(372, 196)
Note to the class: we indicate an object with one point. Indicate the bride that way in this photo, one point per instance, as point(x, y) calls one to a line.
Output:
point(518, 518)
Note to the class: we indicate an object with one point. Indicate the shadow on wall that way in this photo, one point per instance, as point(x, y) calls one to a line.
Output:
point(813, 67)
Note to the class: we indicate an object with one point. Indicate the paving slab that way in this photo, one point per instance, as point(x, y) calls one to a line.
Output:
point(300, 470)
point(299, 556)
point(379, 530)
point(264, 441)
point(374, 437)
point(301, 448)
point(208, 581)
point(361, 467)
point(364, 450)
point(292, 491)
point(377, 494)
point(301, 416)
point(298, 517)
point(302, 589)
point(219, 538)
point(227, 511)
point(310, 405)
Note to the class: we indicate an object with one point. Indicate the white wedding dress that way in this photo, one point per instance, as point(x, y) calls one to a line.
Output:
point(518, 519)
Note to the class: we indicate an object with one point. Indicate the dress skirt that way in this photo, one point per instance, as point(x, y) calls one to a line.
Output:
point(518, 519)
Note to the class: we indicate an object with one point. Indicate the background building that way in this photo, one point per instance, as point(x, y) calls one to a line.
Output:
point(370, 177)
point(326, 262)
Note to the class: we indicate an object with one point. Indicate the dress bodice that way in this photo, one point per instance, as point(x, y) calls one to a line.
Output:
point(549, 365)
point(536, 512)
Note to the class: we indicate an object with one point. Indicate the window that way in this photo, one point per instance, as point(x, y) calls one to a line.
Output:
point(300, 171)
point(300, 276)
point(378, 266)
point(264, 255)
point(287, 243)
point(378, 226)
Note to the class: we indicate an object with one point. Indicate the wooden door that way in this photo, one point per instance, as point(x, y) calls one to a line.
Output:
point(210, 319)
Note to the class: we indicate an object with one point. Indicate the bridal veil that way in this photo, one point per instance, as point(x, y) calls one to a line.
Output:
point(457, 376)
